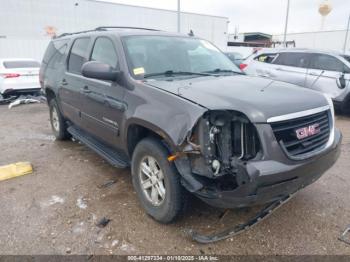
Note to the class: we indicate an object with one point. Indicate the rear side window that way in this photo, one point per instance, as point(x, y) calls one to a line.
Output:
point(21, 64)
point(326, 62)
point(78, 54)
point(265, 58)
point(292, 59)
point(55, 53)
point(104, 52)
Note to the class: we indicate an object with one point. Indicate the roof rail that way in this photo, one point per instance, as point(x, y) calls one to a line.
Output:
point(124, 27)
point(74, 33)
point(104, 28)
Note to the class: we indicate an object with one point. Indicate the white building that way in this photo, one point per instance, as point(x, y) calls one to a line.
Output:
point(26, 26)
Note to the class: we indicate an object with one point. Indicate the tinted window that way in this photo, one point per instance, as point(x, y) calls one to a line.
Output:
point(57, 57)
point(21, 64)
point(265, 58)
point(78, 54)
point(53, 48)
point(326, 62)
point(55, 53)
point(104, 52)
point(292, 59)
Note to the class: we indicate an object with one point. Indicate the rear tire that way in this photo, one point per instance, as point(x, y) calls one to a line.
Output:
point(58, 125)
point(157, 182)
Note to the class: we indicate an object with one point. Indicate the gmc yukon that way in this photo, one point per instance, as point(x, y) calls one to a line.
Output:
point(186, 119)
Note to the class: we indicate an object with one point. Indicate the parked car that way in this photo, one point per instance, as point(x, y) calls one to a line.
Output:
point(183, 116)
point(19, 76)
point(327, 72)
point(235, 57)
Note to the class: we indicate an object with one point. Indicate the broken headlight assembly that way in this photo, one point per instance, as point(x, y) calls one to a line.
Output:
point(224, 141)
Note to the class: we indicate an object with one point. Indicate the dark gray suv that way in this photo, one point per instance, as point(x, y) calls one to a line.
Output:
point(186, 119)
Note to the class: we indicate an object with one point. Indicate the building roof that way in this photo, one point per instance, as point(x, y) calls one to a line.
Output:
point(257, 34)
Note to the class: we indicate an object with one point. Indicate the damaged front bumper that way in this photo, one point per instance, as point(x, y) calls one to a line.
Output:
point(269, 180)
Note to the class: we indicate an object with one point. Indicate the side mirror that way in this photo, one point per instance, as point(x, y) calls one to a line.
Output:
point(98, 70)
point(341, 82)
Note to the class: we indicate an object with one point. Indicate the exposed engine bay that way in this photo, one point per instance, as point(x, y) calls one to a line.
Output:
point(223, 141)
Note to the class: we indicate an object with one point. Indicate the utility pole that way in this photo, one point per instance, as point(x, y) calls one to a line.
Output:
point(286, 26)
point(346, 35)
point(178, 16)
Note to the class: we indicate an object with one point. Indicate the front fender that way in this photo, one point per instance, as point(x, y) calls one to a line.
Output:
point(166, 114)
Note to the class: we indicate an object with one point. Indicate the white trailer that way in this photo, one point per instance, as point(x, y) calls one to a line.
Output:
point(26, 26)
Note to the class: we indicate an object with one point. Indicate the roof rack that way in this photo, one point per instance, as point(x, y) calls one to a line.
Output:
point(124, 27)
point(105, 28)
point(74, 33)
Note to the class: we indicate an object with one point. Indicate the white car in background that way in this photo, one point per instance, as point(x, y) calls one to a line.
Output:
point(19, 76)
point(238, 54)
point(324, 71)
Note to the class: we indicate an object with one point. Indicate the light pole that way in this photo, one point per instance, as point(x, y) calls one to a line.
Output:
point(286, 26)
point(178, 16)
point(346, 35)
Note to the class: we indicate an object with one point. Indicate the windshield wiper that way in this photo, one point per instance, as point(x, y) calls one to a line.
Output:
point(173, 73)
point(219, 70)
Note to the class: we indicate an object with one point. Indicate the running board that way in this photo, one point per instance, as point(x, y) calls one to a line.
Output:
point(111, 155)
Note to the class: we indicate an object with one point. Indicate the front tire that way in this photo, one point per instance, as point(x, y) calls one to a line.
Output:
point(58, 125)
point(157, 182)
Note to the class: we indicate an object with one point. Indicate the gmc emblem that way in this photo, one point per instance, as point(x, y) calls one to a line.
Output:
point(307, 131)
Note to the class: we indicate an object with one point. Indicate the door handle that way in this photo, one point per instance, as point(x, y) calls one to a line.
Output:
point(64, 82)
point(86, 90)
point(279, 69)
point(113, 103)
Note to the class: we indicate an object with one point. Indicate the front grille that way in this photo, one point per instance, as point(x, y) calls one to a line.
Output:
point(285, 132)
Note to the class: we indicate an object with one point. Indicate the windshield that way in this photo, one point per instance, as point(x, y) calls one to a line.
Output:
point(235, 56)
point(153, 55)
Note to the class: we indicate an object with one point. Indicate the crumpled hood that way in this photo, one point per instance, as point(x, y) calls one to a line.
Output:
point(258, 98)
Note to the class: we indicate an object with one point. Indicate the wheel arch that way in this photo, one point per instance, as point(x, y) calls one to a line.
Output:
point(138, 129)
point(50, 94)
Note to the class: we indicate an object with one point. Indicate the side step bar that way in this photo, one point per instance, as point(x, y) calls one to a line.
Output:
point(111, 155)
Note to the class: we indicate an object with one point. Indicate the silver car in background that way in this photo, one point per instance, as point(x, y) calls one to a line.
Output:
point(19, 76)
point(327, 72)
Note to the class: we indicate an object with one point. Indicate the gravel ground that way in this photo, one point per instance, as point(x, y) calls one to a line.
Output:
point(55, 209)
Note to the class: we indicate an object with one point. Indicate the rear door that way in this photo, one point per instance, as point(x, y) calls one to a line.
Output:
point(72, 84)
point(290, 67)
point(323, 72)
point(102, 98)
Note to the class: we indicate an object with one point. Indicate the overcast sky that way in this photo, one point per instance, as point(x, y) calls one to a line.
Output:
point(266, 16)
